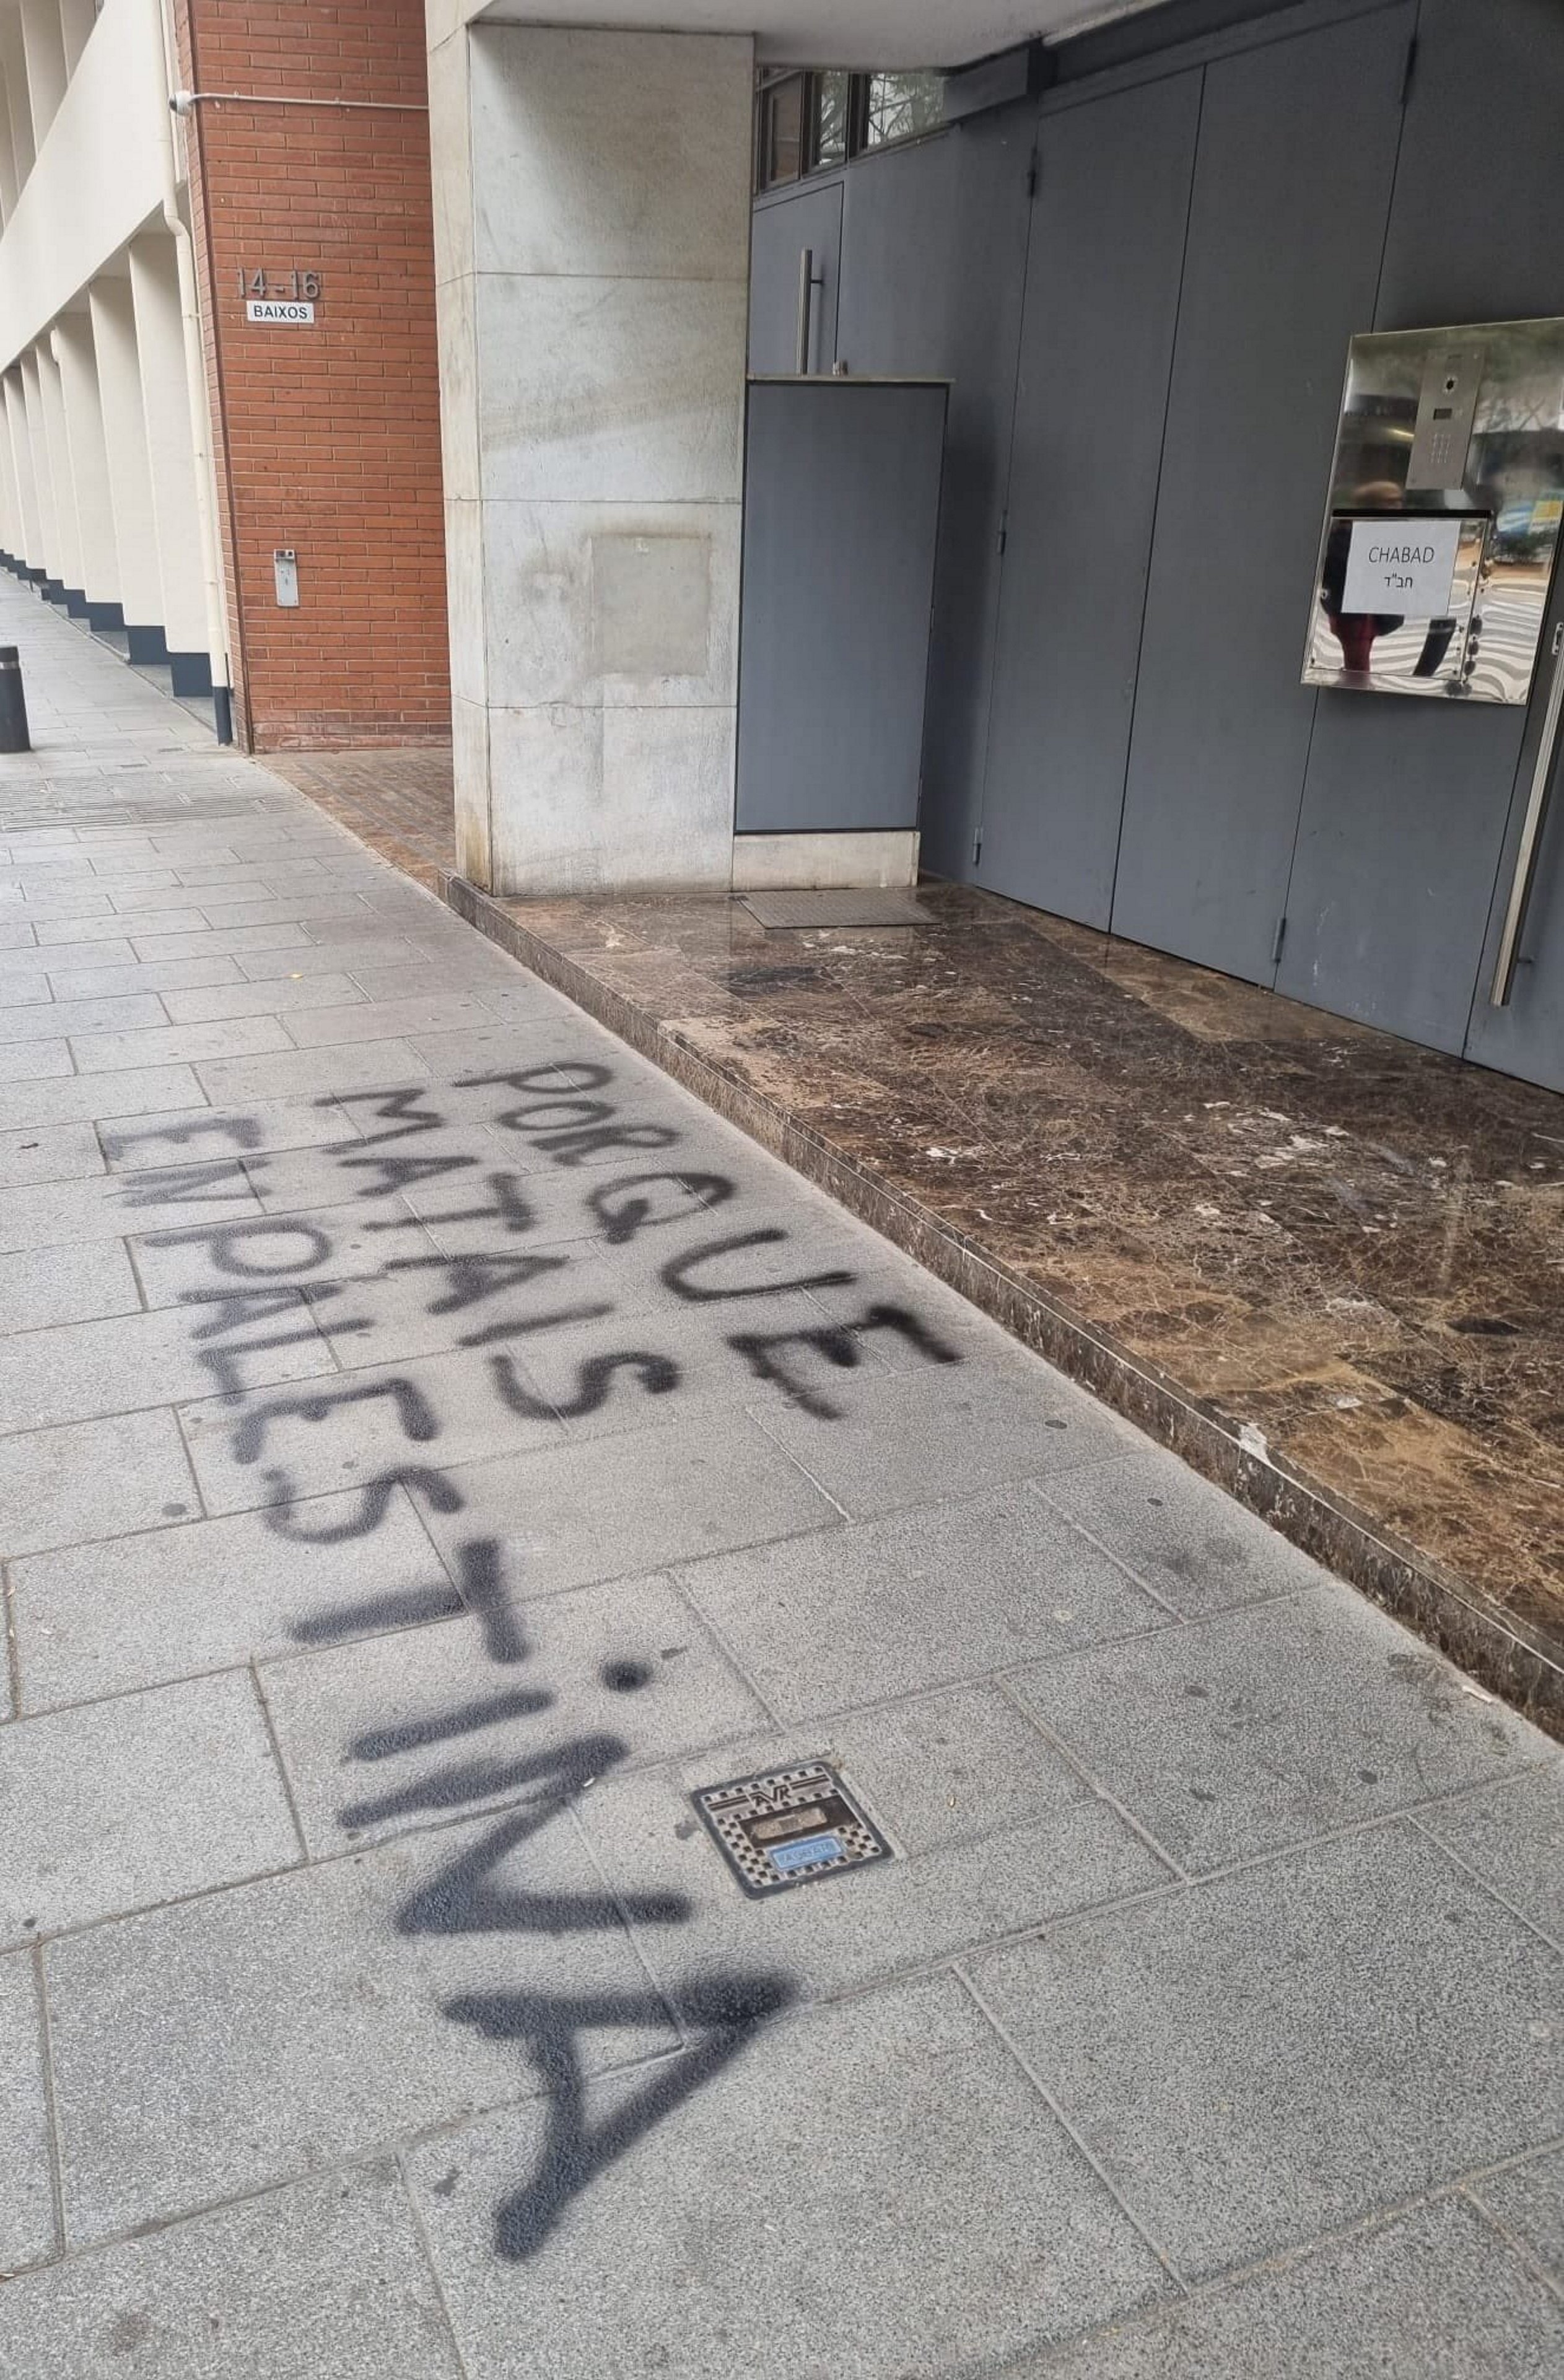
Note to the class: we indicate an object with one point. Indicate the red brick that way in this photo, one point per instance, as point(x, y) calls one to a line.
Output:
point(328, 440)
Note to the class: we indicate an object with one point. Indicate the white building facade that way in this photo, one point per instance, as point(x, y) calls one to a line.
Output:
point(107, 494)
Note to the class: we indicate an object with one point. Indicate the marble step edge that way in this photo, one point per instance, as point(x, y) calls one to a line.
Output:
point(1521, 1664)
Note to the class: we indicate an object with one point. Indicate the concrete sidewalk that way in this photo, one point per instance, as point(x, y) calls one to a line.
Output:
point(433, 1449)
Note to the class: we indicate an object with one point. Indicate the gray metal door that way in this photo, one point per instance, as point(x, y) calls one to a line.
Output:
point(781, 231)
point(1517, 1020)
point(1097, 344)
point(933, 254)
point(1413, 811)
point(841, 515)
point(1291, 192)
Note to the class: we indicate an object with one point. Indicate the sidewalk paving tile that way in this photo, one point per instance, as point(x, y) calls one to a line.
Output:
point(40, 1286)
point(946, 1892)
point(310, 1437)
point(1435, 2296)
point(1191, 1543)
point(232, 2041)
point(77, 1370)
point(1527, 2201)
point(599, 1680)
point(1272, 1723)
point(106, 1810)
point(324, 2281)
point(62, 1152)
point(918, 1600)
point(759, 2243)
point(565, 1515)
point(242, 1036)
point(97, 1620)
point(83, 1098)
point(26, 2200)
point(1289, 2048)
point(944, 1430)
point(1512, 1836)
point(93, 1480)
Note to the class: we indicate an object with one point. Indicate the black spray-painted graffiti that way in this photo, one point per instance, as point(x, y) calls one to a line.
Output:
point(276, 1276)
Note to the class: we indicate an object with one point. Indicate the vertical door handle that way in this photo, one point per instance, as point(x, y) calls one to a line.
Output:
point(1532, 826)
point(808, 282)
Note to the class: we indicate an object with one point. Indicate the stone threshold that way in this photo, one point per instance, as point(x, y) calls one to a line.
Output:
point(1522, 1667)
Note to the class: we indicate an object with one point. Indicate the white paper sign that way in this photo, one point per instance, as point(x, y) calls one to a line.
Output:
point(280, 309)
point(1402, 565)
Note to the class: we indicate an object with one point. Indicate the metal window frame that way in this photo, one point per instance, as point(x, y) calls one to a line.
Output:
point(769, 80)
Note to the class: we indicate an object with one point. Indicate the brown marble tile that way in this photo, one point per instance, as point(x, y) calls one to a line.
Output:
point(1231, 1214)
point(397, 799)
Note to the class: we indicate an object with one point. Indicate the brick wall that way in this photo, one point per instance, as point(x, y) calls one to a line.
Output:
point(327, 439)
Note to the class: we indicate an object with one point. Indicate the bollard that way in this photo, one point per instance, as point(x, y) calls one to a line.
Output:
point(13, 703)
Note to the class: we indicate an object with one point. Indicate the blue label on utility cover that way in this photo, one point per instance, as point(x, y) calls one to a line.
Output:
point(809, 1853)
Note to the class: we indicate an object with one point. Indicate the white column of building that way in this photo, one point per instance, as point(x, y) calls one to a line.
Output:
point(11, 539)
point(130, 478)
point(78, 361)
point(43, 479)
point(67, 535)
point(77, 20)
point(44, 46)
point(18, 104)
point(68, 543)
point(8, 151)
point(592, 255)
point(30, 549)
point(165, 405)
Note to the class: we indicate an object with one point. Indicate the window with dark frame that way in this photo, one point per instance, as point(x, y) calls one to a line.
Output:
point(807, 120)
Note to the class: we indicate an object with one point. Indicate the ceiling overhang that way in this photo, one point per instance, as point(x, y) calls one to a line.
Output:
point(836, 32)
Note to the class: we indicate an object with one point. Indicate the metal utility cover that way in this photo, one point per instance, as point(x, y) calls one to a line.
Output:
point(784, 912)
point(792, 1827)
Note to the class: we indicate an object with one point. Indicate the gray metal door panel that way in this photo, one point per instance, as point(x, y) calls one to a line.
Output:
point(841, 514)
point(1475, 233)
point(1398, 847)
point(1097, 343)
point(1410, 813)
point(778, 232)
point(933, 246)
point(1291, 192)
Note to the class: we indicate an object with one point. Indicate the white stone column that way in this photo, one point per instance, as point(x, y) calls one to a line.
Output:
point(77, 20)
point(7, 151)
point(11, 538)
point(77, 362)
point(43, 479)
point(68, 534)
point(592, 256)
point(19, 105)
point(43, 47)
point(171, 455)
point(30, 549)
point(131, 478)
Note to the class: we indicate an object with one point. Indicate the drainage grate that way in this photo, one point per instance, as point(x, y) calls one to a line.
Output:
point(782, 912)
point(792, 1827)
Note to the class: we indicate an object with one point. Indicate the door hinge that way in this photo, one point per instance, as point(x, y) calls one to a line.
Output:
point(978, 846)
point(1280, 938)
point(1410, 69)
point(1032, 175)
point(1004, 538)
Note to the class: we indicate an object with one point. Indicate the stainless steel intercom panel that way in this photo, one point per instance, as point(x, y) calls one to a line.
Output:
point(1447, 493)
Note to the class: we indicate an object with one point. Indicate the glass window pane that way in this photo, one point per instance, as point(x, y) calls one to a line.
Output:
point(782, 147)
point(901, 106)
point(828, 142)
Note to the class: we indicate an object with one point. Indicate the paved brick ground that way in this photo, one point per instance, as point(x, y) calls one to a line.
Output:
point(433, 1448)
